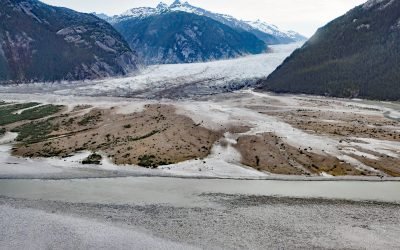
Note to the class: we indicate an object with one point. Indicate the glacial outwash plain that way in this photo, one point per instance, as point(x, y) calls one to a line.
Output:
point(165, 158)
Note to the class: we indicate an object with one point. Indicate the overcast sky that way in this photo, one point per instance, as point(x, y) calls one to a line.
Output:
point(303, 16)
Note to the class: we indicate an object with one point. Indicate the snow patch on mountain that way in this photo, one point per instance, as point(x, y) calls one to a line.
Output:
point(295, 35)
point(273, 29)
point(363, 26)
point(141, 12)
point(263, 26)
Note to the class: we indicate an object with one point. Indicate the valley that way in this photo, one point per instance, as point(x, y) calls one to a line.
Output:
point(171, 81)
point(177, 127)
point(190, 203)
point(244, 134)
point(201, 120)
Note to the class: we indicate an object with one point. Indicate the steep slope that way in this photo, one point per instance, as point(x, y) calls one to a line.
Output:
point(356, 55)
point(181, 37)
point(39, 42)
point(272, 35)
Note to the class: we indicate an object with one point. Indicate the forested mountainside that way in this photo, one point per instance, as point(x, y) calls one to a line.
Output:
point(180, 37)
point(39, 42)
point(355, 55)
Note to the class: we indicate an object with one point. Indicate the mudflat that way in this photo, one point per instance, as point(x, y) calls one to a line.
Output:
point(259, 222)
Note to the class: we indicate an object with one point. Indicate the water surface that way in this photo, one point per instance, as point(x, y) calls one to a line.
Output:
point(187, 192)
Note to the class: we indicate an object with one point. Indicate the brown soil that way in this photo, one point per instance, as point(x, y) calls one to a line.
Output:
point(384, 163)
point(268, 152)
point(345, 124)
point(155, 136)
point(159, 136)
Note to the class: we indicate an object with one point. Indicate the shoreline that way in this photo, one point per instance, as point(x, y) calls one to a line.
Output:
point(297, 178)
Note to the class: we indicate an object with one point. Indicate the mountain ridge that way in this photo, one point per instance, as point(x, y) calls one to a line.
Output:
point(356, 55)
point(181, 37)
point(39, 42)
point(271, 36)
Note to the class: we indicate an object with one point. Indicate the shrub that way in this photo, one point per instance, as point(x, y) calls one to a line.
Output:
point(93, 159)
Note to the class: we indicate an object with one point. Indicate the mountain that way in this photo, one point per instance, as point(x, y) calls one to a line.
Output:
point(281, 37)
point(183, 37)
point(356, 55)
point(39, 42)
point(270, 34)
point(101, 15)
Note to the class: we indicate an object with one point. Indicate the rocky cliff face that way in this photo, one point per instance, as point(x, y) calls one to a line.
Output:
point(356, 55)
point(39, 42)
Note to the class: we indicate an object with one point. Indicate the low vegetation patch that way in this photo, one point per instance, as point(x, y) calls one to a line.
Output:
point(94, 159)
point(146, 138)
point(9, 113)
point(90, 119)
point(148, 161)
point(2, 131)
point(34, 131)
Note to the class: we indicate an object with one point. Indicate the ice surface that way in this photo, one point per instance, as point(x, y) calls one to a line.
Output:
point(163, 81)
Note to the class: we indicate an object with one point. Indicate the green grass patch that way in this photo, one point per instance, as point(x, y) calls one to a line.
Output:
point(8, 113)
point(34, 131)
point(89, 119)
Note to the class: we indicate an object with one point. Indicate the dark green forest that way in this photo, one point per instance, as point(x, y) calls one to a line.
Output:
point(356, 55)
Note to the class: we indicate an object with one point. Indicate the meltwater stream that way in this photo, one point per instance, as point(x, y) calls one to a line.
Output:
point(188, 192)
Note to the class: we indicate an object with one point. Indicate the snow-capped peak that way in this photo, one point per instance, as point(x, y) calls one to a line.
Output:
point(141, 12)
point(176, 3)
point(180, 6)
point(185, 7)
point(274, 30)
point(264, 27)
point(162, 6)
